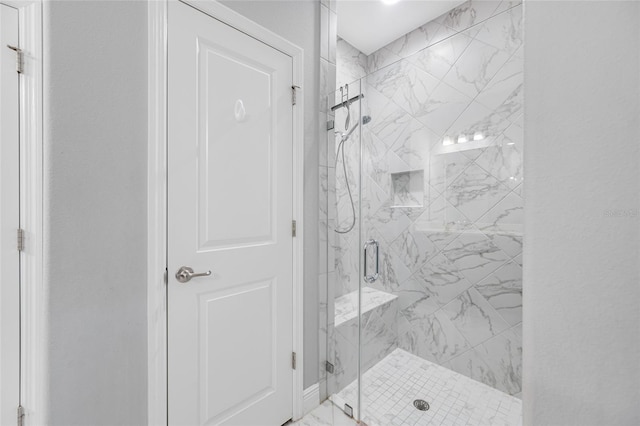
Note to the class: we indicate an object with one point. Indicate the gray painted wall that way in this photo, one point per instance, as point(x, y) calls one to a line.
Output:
point(582, 186)
point(95, 142)
point(95, 117)
point(299, 22)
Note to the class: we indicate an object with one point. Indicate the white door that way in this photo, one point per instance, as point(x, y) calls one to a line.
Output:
point(9, 220)
point(229, 212)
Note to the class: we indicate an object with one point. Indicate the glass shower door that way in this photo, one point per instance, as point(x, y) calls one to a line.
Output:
point(341, 368)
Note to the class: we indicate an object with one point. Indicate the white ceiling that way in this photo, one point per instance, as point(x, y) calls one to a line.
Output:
point(369, 25)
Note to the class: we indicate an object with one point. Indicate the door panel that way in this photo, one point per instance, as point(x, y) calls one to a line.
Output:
point(9, 220)
point(249, 129)
point(229, 212)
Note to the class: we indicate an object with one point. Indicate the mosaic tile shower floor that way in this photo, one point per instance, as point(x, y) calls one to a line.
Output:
point(391, 386)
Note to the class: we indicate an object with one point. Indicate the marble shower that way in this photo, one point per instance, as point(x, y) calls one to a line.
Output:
point(440, 188)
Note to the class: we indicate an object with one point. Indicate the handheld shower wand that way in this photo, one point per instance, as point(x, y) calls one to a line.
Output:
point(345, 137)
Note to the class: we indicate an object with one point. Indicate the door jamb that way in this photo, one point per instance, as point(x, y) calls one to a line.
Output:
point(157, 196)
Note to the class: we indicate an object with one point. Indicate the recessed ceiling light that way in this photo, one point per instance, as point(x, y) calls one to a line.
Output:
point(389, 1)
point(462, 139)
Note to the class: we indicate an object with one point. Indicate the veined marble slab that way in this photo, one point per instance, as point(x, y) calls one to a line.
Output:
point(346, 307)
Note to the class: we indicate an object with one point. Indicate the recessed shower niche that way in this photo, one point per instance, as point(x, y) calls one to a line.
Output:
point(407, 189)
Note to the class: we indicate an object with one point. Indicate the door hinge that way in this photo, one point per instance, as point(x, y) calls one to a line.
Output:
point(329, 367)
point(293, 360)
point(294, 94)
point(20, 239)
point(166, 276)
point(294, 228)
point(20, 415)
point(331, 124)
point(19, 58)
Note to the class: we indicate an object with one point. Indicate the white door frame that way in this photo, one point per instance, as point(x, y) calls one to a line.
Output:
point(157, 196)
point(32, 292)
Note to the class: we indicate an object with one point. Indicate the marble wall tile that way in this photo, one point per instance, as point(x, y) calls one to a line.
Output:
point(390, 121)
point(415, 87)
point(323, 146)
point(416, 300)
point(333, 35)
point(350, 62)
point(324, 84)
point(504, 93)
point(414, 248)
point(475, 68)
point(380, 59)
point(471, 364)
point(444, 168)
point(393, 271)
point(380, 335)
point(441, 222)
point(503, 290)
point(504, 31)
point(503, 224)
point(503, 355)
point(415, 40)
point(415, 145)
point(437, 60)
point(323, 321)
point(518, 259)
point(331, 82)
point(390, 222)
point(468, 14)
point(474, 317)
point(440, 340)
point(442, 108)
point(324, 33)
point(475, 256)
point(507, 4)
point(388, 80)
point(475, 191)
point(477, 118)
point(379, 162)
point(373, 197)
point(323, 220)
point(503, 160)
point(441, 279)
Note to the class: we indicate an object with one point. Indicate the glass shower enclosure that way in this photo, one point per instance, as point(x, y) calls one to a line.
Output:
point(424, 200)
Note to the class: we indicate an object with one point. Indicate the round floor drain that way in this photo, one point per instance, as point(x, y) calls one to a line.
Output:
point(421, 404)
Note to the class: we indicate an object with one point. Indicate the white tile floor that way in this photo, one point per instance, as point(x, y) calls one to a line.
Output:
point(391, 386)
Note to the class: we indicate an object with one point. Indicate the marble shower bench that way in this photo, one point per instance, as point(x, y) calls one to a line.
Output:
point(379, 333)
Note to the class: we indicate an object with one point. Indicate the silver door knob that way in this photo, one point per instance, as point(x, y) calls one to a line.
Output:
point(185, 274)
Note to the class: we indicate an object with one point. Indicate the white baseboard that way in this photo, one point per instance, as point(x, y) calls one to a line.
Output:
point(311, 398)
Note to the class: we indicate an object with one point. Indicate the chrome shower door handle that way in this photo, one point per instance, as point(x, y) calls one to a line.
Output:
point(185, 274)
point(371, 278)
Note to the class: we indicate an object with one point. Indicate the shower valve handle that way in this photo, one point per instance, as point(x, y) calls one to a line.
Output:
point(185, 274)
